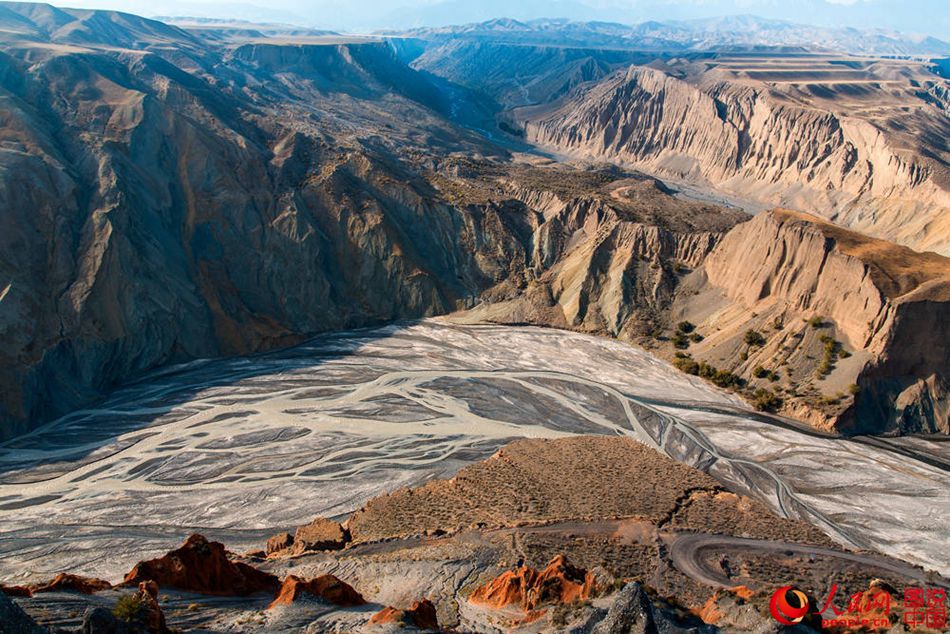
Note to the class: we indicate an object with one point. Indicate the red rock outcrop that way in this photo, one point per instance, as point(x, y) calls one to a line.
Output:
point(66, 582)
point(326, 587)
point(421, 614)
point(203, 566)
point(16, 591)
point(150, 611)
point(559, 582)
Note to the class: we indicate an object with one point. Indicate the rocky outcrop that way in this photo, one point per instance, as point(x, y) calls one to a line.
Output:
point(320, 534)
point(279, 543)
point(325, 587)
point(149, 616)
point(204, 567)
point(748, 139)
point(421, 615)
point(606, 265)
point(878, 314)
point(67, 582)
point(13, 620)
point(558, 583)
point(15, 591)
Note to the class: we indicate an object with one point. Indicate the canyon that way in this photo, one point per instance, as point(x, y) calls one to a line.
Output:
point(145, 168)
point(410, 319)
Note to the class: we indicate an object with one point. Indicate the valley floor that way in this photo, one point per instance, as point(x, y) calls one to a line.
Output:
point(237, 449)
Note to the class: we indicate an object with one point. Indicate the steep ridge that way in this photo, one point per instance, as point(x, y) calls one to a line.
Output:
point(153, 215)
point(519, 75)
point(605, 261)
point(341, 68)
point(762, 141)
point(795, 314)
point(800, 281)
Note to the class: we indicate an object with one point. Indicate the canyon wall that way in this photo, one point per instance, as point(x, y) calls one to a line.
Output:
point(152, 216)
point(740, 138)
point(801, 282)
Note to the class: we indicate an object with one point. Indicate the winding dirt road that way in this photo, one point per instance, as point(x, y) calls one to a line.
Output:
point(688, 550)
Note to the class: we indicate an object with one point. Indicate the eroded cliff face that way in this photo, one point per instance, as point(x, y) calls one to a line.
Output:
point(597, 264)
point(796, 315)
point(152, 215)
point(874, 313)
point(747, 139)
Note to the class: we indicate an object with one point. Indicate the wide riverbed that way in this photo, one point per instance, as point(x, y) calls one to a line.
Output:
point(238, 449)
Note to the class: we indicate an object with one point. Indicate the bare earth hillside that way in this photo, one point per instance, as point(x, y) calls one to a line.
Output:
point(861, 143)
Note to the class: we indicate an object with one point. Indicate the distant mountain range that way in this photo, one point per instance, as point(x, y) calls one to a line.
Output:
point(910, 16)
point(724, 33)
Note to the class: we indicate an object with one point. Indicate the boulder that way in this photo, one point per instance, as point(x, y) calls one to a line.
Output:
point(13, 620)
point(632, 612)
point(325, 587)
point(421, 615)
point(66, 582)
point(204, 567)
point(150, 613)
point(102, 621)
point(136, 613)
point(279, 542)
point(320, 534)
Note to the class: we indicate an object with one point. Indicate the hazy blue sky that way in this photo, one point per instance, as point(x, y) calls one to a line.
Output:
point(930, 17)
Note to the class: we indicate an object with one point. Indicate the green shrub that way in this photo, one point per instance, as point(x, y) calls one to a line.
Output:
point(766, 400)
point(759, 372)
point(685, 326)
point(832, 352)
point(128, 607)
point(753, 338)
point(817, 322)
point(726, 379)
point(680, 340)
point(695, 337)
point(686, 364)
point(854, 388)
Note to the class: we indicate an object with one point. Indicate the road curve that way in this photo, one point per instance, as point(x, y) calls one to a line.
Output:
point(688, 548)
